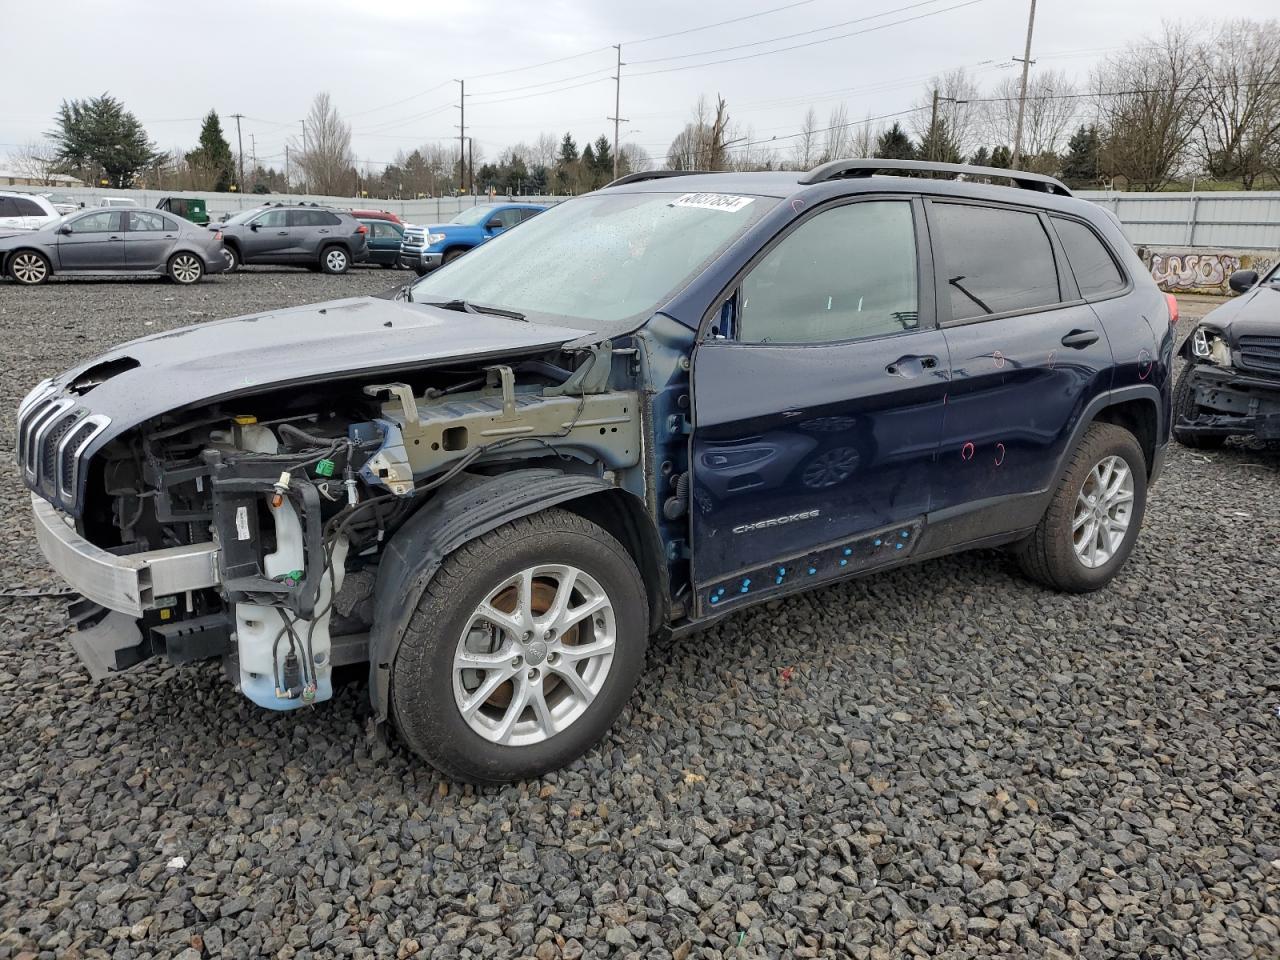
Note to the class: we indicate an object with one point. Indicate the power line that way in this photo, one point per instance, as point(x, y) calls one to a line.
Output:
point(789, 36)
point(718, 23)
point(397, 103)
point(811, 43)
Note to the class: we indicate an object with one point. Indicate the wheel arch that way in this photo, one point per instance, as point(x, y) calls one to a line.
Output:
point(470, 507)
point(8, 259)
point(1141, 417)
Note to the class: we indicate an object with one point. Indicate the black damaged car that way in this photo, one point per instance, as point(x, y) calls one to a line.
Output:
point(1230, 386)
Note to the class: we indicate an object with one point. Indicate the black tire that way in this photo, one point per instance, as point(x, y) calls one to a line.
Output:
point(423, 705)
point(232, 257)
point(420, 272)
point(1049, 554)
point(451, 255)
point(1184, 405)
point(185, 268)
point(335, 259)
point(389, 266)
point(29, 267)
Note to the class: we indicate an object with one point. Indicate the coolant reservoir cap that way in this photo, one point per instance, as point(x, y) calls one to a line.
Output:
point(245, 419)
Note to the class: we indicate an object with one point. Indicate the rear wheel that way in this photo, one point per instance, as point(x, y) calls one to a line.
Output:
point(185, 268)
point(29, 267)
point(523, 650)
point(1091, 525)
point(1184, 407)
point(334, 260)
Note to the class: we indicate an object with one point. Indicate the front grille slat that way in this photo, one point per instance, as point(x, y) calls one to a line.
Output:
point(1260, 353)
point(53, 436)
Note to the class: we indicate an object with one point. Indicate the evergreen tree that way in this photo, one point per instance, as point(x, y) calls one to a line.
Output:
point(213, 156)
point(981, 157)
point(1002, 157)
point(604, 156)
point(894, 144)
point(1080, 165)
point(98, 136)
point(568, 151)
point(938, 146)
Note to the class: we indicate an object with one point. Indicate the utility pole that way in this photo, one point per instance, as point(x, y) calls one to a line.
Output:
point(240, 149)
point(253, 152)
point(1022, 97)
point(462, 134)
point(286, 167)
point(933, 126)
point(303, 161)
point(471, 166)
point(617, 108)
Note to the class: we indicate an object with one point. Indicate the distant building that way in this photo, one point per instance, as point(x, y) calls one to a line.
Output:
point(15, 178)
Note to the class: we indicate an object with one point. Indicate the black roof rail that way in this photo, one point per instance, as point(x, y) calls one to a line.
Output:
point(651, 175)
point(847, 169)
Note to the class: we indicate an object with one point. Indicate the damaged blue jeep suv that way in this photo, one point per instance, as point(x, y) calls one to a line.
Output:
point(649, 407)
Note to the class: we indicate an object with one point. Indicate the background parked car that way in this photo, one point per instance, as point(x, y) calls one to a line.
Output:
point(117, 202)
point(426, 248)
point(189, 208)
point(376, 215)
point(25, 211)
point(385, 237)
point(63, 202)
point(303, 235)
point(113, 243)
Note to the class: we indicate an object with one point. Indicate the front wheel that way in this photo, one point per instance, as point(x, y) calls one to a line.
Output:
point(523, 650)
point(29, 267)
point(335, 260)
point(1091, 525)
point(185, 268)
point(1184, 407)
point(232, 259)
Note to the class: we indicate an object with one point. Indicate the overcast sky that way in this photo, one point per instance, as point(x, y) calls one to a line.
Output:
point(390, 64)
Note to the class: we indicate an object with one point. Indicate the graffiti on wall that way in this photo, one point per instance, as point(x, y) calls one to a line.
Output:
point(1204, 272)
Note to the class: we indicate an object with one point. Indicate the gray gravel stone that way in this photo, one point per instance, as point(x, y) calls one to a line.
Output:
point(957, 764)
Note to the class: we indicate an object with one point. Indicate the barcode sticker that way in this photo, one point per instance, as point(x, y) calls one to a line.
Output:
point(242, 523)
point(712, 201)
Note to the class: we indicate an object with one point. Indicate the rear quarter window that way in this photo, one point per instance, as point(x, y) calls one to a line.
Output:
point(1094, 267)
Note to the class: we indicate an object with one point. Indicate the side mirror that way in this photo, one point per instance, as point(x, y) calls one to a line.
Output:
point(253, 226)
point(494, 224)
point(1242, 280)
point(65, 229)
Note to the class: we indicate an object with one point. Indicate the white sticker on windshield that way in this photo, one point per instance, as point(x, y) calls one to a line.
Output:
point(712, 201)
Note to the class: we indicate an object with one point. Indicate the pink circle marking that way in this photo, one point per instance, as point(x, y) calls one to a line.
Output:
point(999, 454)
point(1053, 358)
point(797, 205)
point(1144, 363)
point(967, 451)
point(998, 357)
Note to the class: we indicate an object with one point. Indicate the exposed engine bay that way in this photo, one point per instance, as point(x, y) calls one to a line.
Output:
point(300, 488)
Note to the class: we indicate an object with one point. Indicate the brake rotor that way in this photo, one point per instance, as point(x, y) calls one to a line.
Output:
point(542, 596)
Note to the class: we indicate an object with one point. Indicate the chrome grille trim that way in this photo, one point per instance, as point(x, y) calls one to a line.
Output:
point(41, 419)
point(99, 422)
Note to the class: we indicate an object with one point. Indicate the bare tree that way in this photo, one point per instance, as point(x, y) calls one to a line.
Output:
point(863, 137)
point(545, 150)
point(1051, 110)
point(326, 158)
point(805, 150)
point(633, 158)
point(958, 108)
point(701, 145)
point(1149, 101)
point(835, 141)
point(1241, 101)
point(35, 159)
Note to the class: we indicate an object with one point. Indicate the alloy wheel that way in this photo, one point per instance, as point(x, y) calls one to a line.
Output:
point(29, 268)
point(534, 655)
point(186, 268)
point(336, 261)
point(1104, 510)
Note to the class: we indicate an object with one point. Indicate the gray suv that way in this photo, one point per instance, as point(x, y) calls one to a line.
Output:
point(301, 234)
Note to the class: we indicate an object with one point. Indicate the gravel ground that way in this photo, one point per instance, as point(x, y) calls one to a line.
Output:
point(941, 761)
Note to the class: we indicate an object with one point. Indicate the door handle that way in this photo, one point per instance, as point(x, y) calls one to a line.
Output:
point(115, 238)
point(911, 366)
point(283, 233)
point(1079, 339)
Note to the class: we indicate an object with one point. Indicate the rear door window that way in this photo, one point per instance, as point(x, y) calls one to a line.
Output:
point(145, 220)
point(28, 208)
point(992, 260)
point(1095, 269)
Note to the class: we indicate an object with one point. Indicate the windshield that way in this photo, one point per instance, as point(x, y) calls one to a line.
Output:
point(598, 261)
point(472, 216)
point(244, 216)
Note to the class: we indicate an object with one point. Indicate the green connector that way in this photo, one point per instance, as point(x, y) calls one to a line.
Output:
point(324, 468)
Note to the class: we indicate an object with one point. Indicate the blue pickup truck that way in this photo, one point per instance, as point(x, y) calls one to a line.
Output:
point(425, 248)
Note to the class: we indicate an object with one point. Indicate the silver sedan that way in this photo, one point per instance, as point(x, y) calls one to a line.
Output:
point(112, 243)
